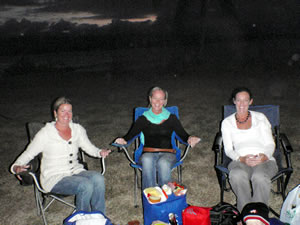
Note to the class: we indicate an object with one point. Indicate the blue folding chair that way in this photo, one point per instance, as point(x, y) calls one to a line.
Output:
point(134, 162)
point(283, 149)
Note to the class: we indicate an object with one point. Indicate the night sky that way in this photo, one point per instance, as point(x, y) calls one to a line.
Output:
point(129, 22)
point(98, 12)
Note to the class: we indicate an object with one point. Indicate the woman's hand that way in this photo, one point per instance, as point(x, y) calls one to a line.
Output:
point(20, 169)
point(263, 157)
point(121, 141)
point(104, 152)
point(253, 160)
point(193, 140)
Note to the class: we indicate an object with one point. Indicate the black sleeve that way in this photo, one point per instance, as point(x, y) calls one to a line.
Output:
point(178, 128)
point(136, 128)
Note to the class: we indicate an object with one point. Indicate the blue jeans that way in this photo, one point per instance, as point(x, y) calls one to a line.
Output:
point(87, 186)
point(156, 168)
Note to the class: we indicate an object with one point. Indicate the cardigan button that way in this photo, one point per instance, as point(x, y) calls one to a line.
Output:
point(70, 142)
point(70, 161)
point(71, 154)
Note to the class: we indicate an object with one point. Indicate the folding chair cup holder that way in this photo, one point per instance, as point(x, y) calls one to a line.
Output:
point(175, 140)
point(282, 152)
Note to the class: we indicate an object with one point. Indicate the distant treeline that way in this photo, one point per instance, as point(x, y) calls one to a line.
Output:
point(118, 35)
point(30, 38)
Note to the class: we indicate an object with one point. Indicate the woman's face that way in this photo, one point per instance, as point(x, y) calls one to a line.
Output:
point(64, 114)
point(242, 101)
point(157, 101)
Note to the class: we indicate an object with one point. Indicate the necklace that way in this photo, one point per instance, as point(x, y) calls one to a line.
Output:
point(244, 121)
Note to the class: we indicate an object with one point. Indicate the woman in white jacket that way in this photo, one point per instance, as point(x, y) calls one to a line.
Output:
point(248, 141)
point(61, 173)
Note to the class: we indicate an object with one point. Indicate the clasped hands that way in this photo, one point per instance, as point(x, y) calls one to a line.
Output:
point(253, 160)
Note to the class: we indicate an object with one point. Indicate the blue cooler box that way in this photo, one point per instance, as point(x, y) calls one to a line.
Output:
point(160, 211)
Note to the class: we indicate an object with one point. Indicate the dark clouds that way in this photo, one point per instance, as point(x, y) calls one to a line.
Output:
point(18, 3)
point(275, 16)
point(109, 8)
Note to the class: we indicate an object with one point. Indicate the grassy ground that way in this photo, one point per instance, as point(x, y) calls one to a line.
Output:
point(106, 86)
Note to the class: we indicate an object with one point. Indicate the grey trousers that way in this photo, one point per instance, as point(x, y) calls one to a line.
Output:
point(260, 176)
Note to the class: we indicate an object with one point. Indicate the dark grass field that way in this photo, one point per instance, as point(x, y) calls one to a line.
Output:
point(105, 87)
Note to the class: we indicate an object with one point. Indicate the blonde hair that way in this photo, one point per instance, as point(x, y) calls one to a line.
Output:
point(159, 89)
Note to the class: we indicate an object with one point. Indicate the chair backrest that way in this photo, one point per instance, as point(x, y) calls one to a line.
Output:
point(272, 113)
point(140, 110)
point(33, 128)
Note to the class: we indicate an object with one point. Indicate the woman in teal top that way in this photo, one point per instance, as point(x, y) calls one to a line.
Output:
point(157, 125)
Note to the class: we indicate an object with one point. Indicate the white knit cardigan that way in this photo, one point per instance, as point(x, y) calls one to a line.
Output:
point(59, 157)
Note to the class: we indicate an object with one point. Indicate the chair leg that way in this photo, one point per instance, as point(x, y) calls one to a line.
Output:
point(135, 187)
point(179, 171)
point(41, 209)
point(37, 199)
point(274, 213)
point(286, 181)
point(223, 187)
point(222, 184)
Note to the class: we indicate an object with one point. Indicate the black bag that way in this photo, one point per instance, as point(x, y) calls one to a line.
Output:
point(224, 214)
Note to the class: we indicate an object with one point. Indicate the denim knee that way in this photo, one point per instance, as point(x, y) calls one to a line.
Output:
point(99, 181)
point(86, 187)
point(147, 160)
point(164, 165)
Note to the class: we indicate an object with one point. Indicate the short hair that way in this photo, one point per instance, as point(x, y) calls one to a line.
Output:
point(59, 101)
point(159, 89)
point(238, 90)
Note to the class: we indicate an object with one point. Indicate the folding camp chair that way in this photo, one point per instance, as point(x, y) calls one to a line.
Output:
point(283, 149)
point(175, 140)
point(43, 198)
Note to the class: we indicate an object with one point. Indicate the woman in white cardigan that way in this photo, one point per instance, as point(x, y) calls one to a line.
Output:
point(248, 141)
point(61, 173)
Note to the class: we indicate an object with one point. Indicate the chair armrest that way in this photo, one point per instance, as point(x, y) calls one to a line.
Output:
point(119, 145)
point(180, 140)
point(174, 140)
point(103, 165)
point(286, 143)
point(185, 152)
point(128, 142)
point(217, 146)
point(37, 184)
point(124, 148)
point(287, 148)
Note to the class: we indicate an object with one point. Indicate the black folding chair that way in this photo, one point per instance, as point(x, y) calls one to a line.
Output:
point(283, 150)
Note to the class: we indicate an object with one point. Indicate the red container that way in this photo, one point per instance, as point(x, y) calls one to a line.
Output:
point(195, 215)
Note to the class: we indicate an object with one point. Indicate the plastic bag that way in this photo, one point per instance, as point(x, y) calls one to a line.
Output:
point(290, 210)
point(87, 218)
point(196, 215)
